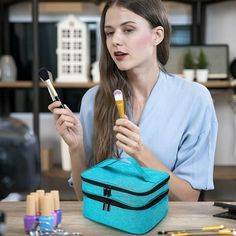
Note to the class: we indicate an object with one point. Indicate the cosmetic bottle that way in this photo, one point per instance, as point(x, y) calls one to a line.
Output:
point(54, 214)
point(2, 223)
point(57, 206)
point(30, 216)
point(46, 219)
point(41, 194)
point(36, 195)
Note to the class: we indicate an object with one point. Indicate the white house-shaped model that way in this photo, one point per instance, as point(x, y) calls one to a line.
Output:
point(73, 56)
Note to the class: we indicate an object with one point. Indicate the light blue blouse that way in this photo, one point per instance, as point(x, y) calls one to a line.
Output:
point(178, 125)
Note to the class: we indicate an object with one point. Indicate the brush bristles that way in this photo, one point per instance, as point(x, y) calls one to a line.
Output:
point(118, 95)
point(43, 74)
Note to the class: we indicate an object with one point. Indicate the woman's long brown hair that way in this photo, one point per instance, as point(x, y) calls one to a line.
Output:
point(111, 78)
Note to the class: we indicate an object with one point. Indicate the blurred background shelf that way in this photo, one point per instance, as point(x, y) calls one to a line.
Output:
point(220, 172)
point(29, 84)
point(211, 84)
point(225, 173)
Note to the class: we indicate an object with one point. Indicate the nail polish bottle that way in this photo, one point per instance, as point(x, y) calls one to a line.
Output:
point(30, 216)
point(40, 191)
point(52, 209)
point(57, 206)
point(36, 195)
point(46, 220)
point(41, 194)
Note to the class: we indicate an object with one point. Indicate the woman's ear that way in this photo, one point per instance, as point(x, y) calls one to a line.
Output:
point(158, 33)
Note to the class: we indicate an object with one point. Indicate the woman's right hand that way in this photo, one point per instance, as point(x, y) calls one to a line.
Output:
point(67, 124)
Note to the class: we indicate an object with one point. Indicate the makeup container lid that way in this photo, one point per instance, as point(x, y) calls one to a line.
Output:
point(46, 209)
point(36, 195)
point(56, 199)
point(30, 205)
point(52, 201)
point(41, 192)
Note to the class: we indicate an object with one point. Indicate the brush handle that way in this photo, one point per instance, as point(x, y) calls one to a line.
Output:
point(58, 99)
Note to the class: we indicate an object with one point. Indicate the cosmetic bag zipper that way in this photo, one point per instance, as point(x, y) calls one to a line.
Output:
point(107, 202)
point(111, 187)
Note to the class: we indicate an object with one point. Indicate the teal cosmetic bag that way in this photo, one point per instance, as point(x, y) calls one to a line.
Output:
point(121, 194)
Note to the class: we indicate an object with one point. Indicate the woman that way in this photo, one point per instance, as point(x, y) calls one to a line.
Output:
point(170, 125)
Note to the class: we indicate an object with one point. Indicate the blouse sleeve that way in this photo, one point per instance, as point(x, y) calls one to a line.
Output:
point(195, 157)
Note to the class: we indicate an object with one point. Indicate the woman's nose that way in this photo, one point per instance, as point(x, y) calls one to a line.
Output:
point(117, 39)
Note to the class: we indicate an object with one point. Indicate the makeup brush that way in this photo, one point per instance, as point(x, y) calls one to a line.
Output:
point(46, 77)
point(210, 228)
point(119, 102)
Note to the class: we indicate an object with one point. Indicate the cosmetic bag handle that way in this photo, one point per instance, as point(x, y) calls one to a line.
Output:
point(128, 161)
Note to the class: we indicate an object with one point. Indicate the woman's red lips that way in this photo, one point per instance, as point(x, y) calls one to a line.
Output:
point(120, 55)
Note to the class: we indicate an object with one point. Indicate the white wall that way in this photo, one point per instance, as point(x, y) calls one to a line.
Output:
point(220, 25)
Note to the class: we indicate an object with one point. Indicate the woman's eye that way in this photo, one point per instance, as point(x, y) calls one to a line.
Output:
point(109, 33)
point(128, 30)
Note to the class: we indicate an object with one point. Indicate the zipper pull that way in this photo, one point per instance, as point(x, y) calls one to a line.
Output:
point(106, 206)
point(109, 191)
point(105, 192)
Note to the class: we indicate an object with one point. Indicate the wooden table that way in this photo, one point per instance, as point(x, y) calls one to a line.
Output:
point(182, 215)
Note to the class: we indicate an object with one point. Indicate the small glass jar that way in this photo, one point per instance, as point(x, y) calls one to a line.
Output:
point(8, 68)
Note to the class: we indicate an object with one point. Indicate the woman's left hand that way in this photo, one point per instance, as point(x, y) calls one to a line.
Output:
point(128, 137)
